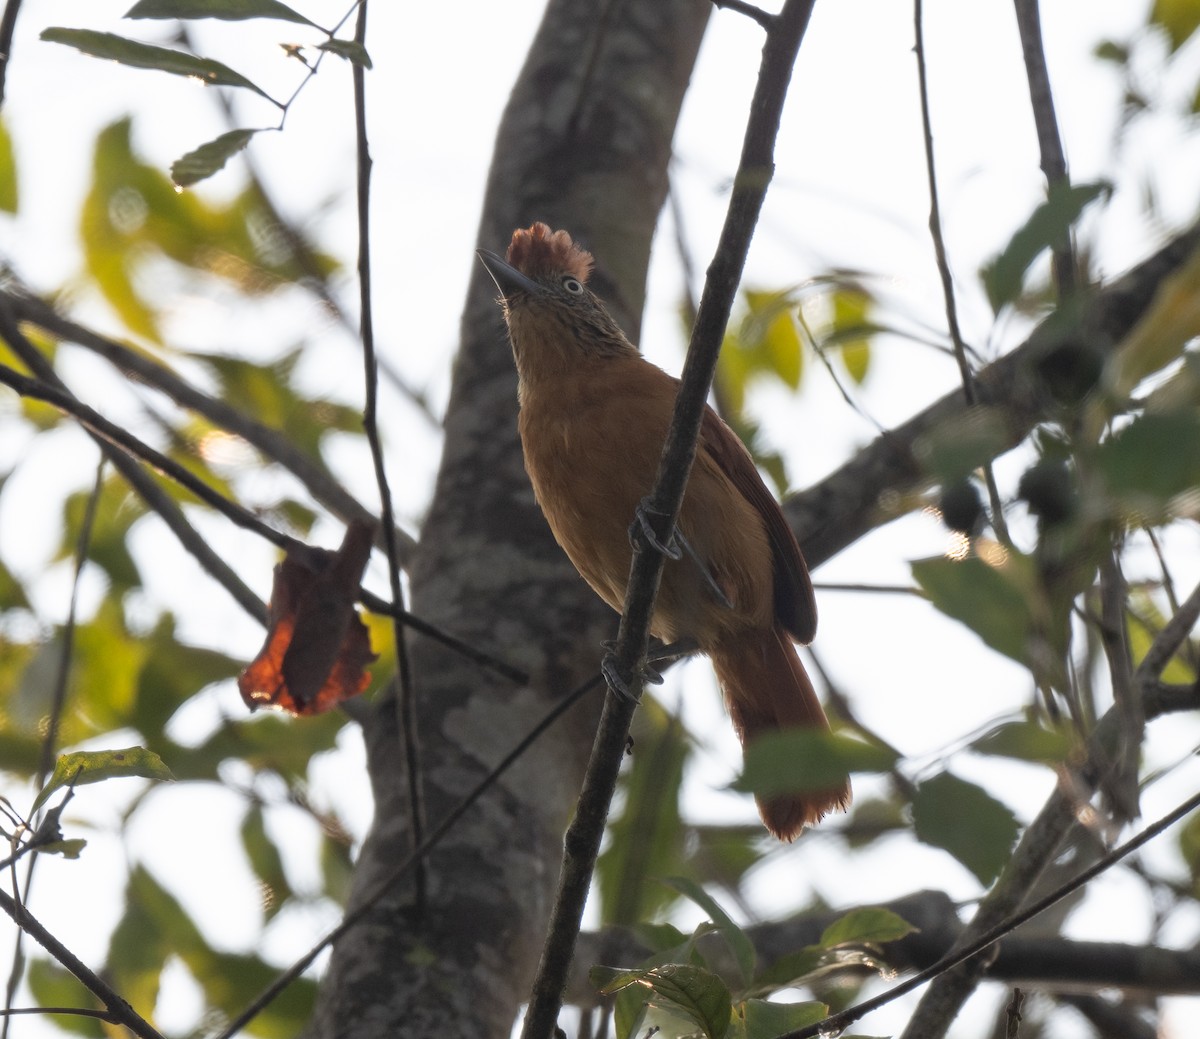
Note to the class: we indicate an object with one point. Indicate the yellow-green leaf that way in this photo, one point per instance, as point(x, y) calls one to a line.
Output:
point(965, 820)
point(94, 766)
point(1180, 19)
point(8, 172)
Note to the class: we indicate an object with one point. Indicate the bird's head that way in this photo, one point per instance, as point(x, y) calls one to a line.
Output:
point(552, 316)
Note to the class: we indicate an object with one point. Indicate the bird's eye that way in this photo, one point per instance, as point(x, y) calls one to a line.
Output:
point(572, 285)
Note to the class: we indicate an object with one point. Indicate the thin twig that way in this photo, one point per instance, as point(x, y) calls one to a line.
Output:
point(764, 18)
point(8, 25)
point(110, 433)
point(406, 710)
point(1121, 784)
point(122, 1013)
point(57, 703)
point(1168, 641)
point(419, 853)
point(1012, 1014)
point(126, 464)
point(1053, 161)
point(836, 1023)
point(273, 443)
point(943, 265)
point(583, 836)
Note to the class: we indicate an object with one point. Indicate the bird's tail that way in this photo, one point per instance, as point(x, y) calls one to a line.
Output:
point(766, 689)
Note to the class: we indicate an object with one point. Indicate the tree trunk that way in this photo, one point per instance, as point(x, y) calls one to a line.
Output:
point(584, 144)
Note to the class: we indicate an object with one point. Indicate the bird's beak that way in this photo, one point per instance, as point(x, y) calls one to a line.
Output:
point(508, 279)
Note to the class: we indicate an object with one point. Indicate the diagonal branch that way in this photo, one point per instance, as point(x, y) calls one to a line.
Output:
point(882, 481)
point(582, 842)
point(274, 444)
point(120, 1010)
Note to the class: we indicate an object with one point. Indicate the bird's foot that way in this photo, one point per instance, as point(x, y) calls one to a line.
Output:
point(641, 531)
point(616, 682)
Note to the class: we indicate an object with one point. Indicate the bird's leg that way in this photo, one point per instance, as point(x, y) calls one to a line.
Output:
point(657, 653)
point(711, 581)
point(674, 548)
point(642, 528)
point(668, 652)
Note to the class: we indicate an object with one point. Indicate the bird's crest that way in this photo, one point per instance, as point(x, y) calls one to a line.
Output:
point(538, 251)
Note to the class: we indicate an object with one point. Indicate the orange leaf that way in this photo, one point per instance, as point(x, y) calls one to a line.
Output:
point(317, 647)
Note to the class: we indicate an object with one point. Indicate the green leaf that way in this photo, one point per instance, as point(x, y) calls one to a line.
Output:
point(1146, 621)
point(763, 1020)
point(738, 941)
point(868, 926)
point(55, 986)
point(226, 10)
point(647, 833)
point(140, 55)
point(108, 547)
point(1151, 461)
point(851, 328)
point(954, 449)
point(1025, 741)
point(792, 969)
point(12, 593)
point(8, 172)
point(807, 759)
point(206, 160)
point(265, 742)
point(722, 855)
point(267, 392)
point(772, 334)
point(965, 820)
point(987, 599)
point(659, 937)
point(351, 50)
point(1189, 847)
point(69, 848)
point(172, 673)
point(94, 766)
point(1180, 19)
point(691, 992)
point(1050, 223)
point(266, 861)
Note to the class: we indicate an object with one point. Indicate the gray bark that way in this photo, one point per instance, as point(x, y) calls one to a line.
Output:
point(584, 144)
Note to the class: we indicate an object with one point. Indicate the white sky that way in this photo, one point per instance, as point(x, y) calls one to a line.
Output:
point(850, 192)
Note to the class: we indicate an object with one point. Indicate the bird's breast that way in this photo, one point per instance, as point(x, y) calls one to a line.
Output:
point(592, 451)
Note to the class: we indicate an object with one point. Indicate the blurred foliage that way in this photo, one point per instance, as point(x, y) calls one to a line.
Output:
point(133, 215)
point(678, 992)
point(1118, 457)
point(130, 676)
point(832, 316)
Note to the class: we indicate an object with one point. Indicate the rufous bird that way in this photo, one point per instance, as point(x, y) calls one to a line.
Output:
point(593, 418)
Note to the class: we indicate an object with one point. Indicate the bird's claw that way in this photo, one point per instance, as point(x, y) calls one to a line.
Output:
point(612, 674)
point(642, 530)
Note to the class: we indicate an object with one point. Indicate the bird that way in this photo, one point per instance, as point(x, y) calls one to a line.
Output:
point(593, 414)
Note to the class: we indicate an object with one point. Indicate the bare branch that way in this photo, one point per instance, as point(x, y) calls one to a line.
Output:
point(880, 483)
point(764, 18)
point(1170, 638)
point(582, 842)
point(121, 1011)
point(274, 444)
point(1054, 162)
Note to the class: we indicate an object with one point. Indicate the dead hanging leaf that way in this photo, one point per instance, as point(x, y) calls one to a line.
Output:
point(317, 647)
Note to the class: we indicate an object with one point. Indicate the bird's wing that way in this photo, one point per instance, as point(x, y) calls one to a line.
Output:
point(795, 604)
